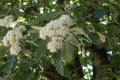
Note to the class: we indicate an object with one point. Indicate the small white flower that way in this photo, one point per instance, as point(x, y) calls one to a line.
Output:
point(12, 39)
point(63, 30)
point(58, 39)
point(12, 24)
point(57, 31)
point(5, 41)
point(21, 28)
point(15, 49)
point(13, 36)
point(42, 33)
point(1, 22)
point(66, 19)
point(54, 46)
point(7, 21)
point(9, 18)
point(51, 47)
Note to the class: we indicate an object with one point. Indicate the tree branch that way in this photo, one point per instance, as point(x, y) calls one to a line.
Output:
point(99, 55)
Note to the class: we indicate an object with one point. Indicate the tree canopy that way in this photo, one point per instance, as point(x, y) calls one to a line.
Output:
point(59, 40)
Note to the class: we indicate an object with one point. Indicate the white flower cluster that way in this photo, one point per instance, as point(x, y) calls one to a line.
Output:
point(12, 39)
point(57, 30)
point(8, 21)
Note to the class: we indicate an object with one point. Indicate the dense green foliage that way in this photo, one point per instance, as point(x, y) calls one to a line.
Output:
point(92, 54)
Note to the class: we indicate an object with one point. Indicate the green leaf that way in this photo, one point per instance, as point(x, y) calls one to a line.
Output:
point(93, 36)
point(41, 49)
point(3, 51)
point(102, 37)
point(68, 51)
point(19, 76)
point(67, 72)
point(100, 12)
point(96, 63)
point(115, 61)
point(10, 62)
point(58, 63)
point(106, 76)
point(99, 76)
point(111, 75)
point(34, 34)
point(80, 11)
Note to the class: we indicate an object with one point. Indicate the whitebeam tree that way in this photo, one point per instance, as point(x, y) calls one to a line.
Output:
point(59, 40)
